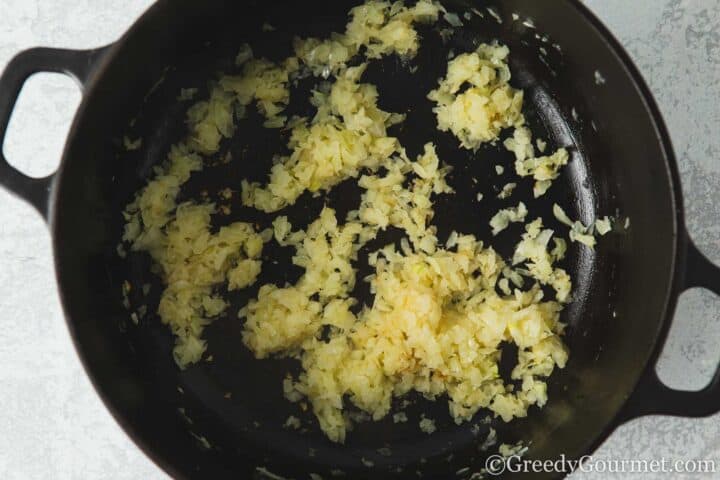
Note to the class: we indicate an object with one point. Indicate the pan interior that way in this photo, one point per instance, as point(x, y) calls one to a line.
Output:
point(233, 371)
point(235, 402)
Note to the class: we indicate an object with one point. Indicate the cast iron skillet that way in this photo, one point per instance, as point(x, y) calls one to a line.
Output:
point(625, 291)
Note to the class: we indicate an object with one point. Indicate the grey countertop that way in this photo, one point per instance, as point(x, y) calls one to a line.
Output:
point(54, 426)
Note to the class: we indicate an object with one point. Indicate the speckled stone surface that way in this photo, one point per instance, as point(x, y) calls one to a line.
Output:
point(52, 425)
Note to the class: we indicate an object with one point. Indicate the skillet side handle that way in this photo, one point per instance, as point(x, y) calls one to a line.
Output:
point(652, 397)
point(79, 65)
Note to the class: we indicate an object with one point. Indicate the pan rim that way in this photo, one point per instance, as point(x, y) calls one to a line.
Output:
point(678, 258)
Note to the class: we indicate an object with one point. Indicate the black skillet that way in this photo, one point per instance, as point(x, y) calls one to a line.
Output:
point(625, 290)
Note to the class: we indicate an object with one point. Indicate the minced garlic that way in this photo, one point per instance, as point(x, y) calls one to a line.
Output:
point(478, 114)
point(440, 312)
point(579, 232)
point(347, 133)
point(505, 217)
point(543, 169)
point(415, 338)
point(380, 27)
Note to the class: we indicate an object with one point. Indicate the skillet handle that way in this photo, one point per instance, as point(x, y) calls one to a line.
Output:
point(652, 397)
point(79, 65)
